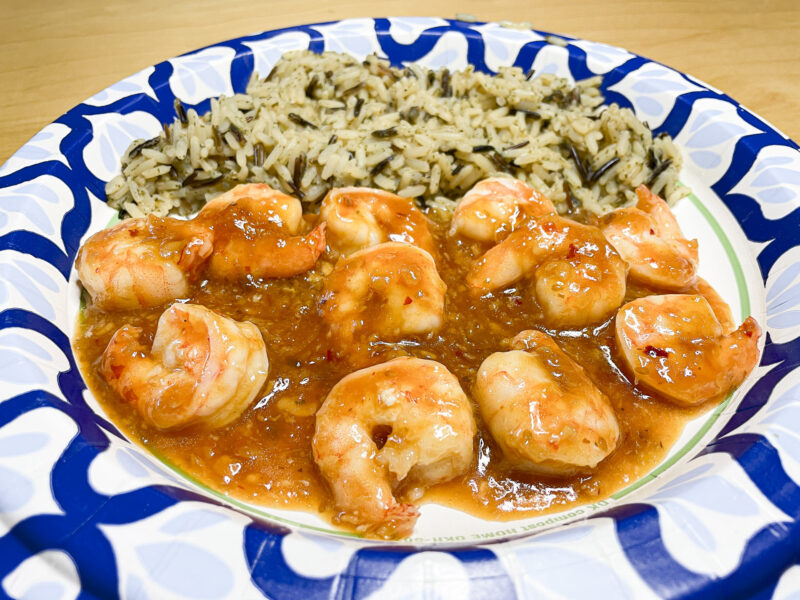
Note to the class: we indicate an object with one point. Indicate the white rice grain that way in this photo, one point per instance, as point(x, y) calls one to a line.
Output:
point(432, 131)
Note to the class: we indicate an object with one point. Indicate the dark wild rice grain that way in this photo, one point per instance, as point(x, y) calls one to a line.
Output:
point(301, 121)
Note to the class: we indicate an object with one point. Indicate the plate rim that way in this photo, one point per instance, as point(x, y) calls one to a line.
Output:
point(467, 26)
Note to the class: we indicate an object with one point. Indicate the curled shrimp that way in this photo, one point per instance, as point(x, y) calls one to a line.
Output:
point(361, 217)
point(256, 234)
point(389, 291)
point(578, 276)
point(650, 240)
point(400, 426)
point(495, 207)
point(202, 368)
point(142, 263)
point(718, 306)
point(676, 345)
point(541, 408)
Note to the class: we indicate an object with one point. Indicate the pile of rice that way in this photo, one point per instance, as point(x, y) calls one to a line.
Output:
point(323, 121)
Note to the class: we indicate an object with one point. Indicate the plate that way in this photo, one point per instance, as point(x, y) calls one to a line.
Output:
point(84, 510)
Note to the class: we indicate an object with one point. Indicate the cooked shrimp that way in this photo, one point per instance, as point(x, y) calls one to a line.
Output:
point(542, 409)
point(361, 217)
point(578, 276)
point(202, 367)
point(141, 263)
point(676, 346)
point(649, 238)
point(495, 207)
point(257, 234)
point(389, 291)
point(400, 426)
point(721, 309)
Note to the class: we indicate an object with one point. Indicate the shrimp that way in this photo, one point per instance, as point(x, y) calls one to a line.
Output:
point(676, 346)
point(495, 207)
point(720, 308)
point(256, 233)
point(649, 238)
point(361, 217)
point(389, 290)
point(400, 426)
point(202, 368)
point(541, 408)
point(578, 276)
point(142, 263)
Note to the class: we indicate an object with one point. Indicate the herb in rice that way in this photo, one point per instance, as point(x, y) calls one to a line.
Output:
point(319, 121)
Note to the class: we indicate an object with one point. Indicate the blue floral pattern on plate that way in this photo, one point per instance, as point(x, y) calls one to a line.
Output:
point(84, 511)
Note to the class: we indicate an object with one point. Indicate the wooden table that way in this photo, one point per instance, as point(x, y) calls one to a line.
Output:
point(54, 55)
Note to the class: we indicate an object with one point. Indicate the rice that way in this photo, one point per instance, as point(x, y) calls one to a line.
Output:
point(319, 121)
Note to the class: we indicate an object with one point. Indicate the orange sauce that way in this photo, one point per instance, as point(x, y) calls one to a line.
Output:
point(264, 457)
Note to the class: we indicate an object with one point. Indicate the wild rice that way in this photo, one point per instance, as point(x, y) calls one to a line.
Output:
point(322, 121)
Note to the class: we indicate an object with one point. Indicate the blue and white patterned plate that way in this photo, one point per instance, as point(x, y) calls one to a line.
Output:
point(85, 512)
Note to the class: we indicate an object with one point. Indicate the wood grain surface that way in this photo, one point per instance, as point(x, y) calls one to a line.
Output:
point(53, 55)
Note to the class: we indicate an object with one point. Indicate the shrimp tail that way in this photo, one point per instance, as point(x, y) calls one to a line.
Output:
point(196, 252)
point(120, 360)
point(196, 239)
point(743, 345)
point(657, 208)
point(316, 242)
point(398, 521)
point(654, 205)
